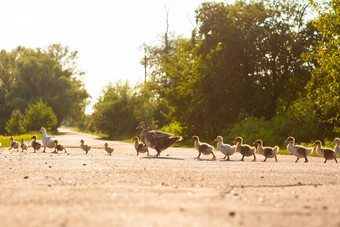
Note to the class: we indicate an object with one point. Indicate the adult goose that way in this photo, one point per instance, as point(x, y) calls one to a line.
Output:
point(156, 139)
point(36, 145)
point(267, 152)
point(298, 150)
point(47, 141)
point(226, 149)
point(140, 147)
point(337, 146)
point(203, 148)
point(327, 153)
point(244, 149)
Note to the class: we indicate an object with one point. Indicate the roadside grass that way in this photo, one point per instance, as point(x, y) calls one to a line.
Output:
point(5, 140)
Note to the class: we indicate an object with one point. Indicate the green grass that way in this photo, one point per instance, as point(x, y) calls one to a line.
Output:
point(5, 140)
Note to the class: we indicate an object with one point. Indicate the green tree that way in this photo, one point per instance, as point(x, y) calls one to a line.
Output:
point(324, 87)
point(15, 125)
point(39, 115)
point(40, 76)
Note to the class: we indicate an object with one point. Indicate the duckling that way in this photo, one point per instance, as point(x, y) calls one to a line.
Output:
point(203, 147)
point(244, 149)
point(36, 145)
point(337, 146)
point(267, 152)
point(85, 147)
point(298, 150)
point(108, 149)
point(14, 144)
point(226, 149)
point(58, 147)
point(327, 153)
point(23, 145)
point(140, 147)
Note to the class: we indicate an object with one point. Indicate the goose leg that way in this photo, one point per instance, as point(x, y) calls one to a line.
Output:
point(137, 153)
point(275, 158)
point(306, 160)
point(325, 160)
point(214, 158)
point(297, 159)
point(336, 160)
point(199, 154)
point(158, 152)
point(254, 160)
point(242, 158)
point(148, 153)
point(265, 159)
point(225, 157)
point(44, 149)
point(228, 158)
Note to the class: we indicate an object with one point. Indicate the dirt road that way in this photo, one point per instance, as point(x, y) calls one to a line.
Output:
point(45, 189)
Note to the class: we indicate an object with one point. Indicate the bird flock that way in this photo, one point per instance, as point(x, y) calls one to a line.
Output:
point(161, 140)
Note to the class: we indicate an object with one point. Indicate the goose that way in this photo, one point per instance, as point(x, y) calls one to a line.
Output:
point(84, 147)
point(47, 141)
point(108, 149)
point(23, 145)
point(327, 153)
point(140, 147)
point(226, 149)
point(14, 144)
point(59, 147)
point(36, 145)
point(244, 149)
point(337, 146)
point(267, 152)
point(156, 139)
point(298, 150)
point(204, 148)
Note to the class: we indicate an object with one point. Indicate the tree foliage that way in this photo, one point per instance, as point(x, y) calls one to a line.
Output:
point(39, 115)
point(15, 125)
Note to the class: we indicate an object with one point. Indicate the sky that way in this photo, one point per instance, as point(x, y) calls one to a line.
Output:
point(107, 34)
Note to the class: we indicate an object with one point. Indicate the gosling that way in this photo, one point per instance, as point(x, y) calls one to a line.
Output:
point(23, 145)
point(327, 153)
point(337, 146)
point(204, 148)
point(226, 149)
point(84, 147)
point(14, 144)
point(140, 147)
point(59, 147)
point(298, 150)
point(108, 149)
point(244, 149)
point(36, 145)
point(267, 152)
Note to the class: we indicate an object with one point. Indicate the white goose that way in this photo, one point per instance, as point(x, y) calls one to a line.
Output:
point(47, 141)
point(298, 150)
point(226, 149)
point(337, 146)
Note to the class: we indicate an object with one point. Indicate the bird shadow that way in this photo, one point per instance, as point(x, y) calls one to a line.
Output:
point(165, 158)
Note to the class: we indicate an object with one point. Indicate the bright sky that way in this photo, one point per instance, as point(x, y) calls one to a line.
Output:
point(108, 34)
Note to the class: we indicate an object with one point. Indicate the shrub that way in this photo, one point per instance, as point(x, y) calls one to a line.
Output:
point(15, 125)
point(174, 128)
point(38, 115)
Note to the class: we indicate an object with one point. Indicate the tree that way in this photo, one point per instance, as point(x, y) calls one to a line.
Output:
point(39, 115)
point(324, 87)
point(39, 76)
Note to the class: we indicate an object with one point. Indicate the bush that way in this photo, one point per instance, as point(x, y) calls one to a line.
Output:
point(15, 125)
point(38, 115)
point(174, 128)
